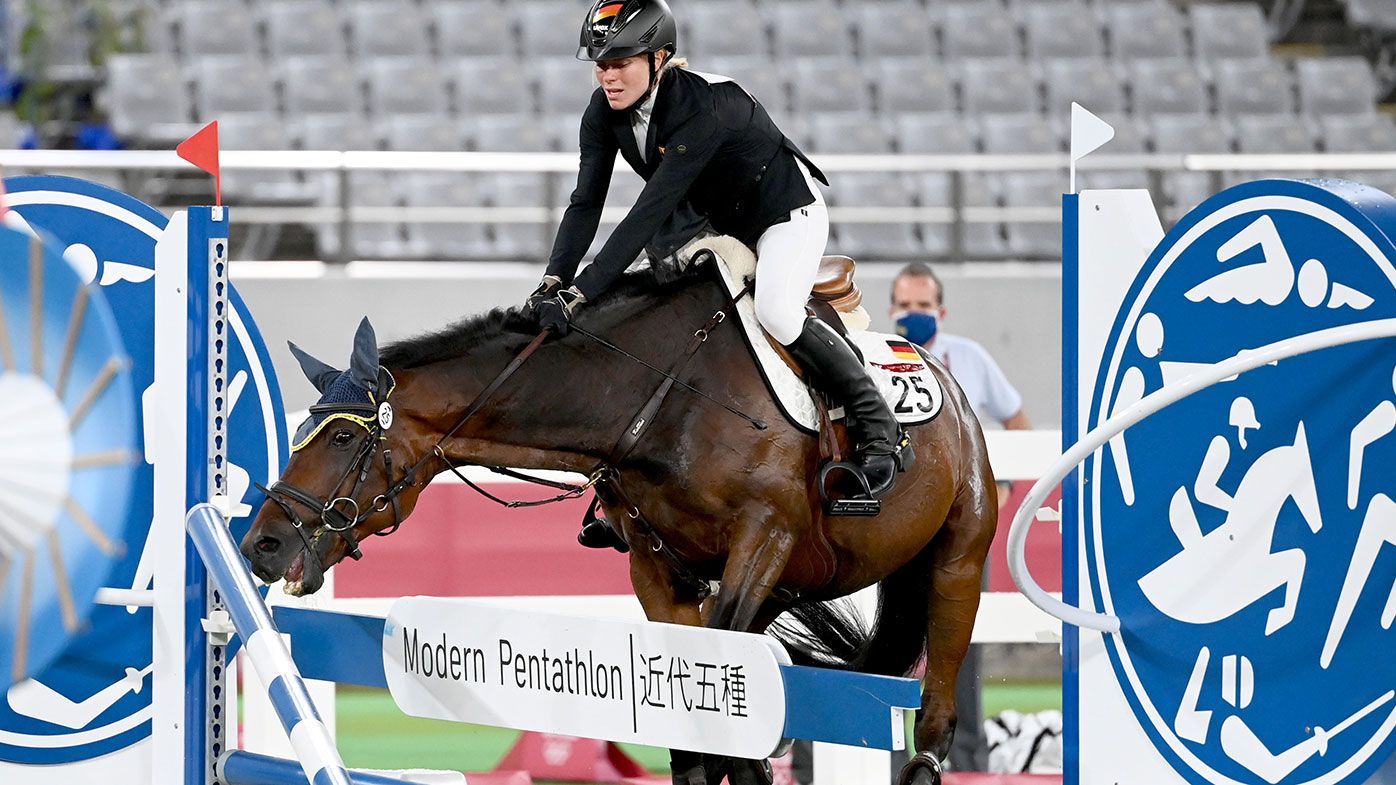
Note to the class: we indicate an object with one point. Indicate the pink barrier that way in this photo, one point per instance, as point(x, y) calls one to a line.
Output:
point(566, 759)
point(499, 778)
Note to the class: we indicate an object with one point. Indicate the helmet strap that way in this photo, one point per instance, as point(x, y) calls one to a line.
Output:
point(654, 82)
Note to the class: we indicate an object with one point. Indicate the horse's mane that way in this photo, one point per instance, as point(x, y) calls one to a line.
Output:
point(453, 340)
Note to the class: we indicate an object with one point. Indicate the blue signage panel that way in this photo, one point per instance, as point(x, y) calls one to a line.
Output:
point(1246, 536)
point(97, 696)
point(69, 453)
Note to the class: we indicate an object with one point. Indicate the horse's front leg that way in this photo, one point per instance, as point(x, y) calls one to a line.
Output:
point(755, 563)
point(662, 600)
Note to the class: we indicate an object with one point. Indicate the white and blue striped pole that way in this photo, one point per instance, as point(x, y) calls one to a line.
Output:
point(315, 748)
point(239, 767)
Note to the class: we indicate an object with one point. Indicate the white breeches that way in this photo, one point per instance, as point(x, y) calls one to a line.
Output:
point(787, 262)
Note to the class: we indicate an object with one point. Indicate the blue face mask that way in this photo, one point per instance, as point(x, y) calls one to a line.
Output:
point(918, 327)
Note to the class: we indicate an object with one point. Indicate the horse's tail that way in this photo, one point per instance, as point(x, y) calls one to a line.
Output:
point(831, 634)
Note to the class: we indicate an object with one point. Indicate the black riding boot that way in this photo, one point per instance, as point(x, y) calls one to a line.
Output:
point(597, 532)
point(878, 439)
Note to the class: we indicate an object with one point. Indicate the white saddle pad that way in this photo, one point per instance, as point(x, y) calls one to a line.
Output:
point(897, 367)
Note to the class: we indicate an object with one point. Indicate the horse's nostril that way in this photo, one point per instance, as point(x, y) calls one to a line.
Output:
point(268, 545)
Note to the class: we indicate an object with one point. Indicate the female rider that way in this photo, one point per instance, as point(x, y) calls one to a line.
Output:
point(710, 154)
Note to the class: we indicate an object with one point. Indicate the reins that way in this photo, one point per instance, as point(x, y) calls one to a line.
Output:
point(283, 493)
point(701, 335)
point(603, 475)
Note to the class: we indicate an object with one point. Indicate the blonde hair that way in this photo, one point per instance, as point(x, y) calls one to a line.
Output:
point(674, 62)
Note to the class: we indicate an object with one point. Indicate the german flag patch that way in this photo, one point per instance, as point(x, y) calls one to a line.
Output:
point(606, 12)
point(904, 351)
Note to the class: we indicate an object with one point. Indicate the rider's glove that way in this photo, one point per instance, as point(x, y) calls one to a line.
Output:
point(555, 313)
point(546, 289)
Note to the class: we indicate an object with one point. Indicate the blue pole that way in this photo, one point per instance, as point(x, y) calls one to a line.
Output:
point(314, 746)
point(201, 660)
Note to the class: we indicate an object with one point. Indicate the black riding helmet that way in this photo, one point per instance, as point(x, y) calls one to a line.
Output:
point(622, 28)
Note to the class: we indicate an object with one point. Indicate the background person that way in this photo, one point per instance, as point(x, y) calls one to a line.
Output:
point(918, 308)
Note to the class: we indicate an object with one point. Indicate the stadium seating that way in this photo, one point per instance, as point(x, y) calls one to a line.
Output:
point(1061, 30)
point(1229, 31)
point(894, 29)
point(1335, 85)
point(1145, 31)
point(470, 28)
point(146, 98)
point(907, 76)
point(302, 27)
point(10, 129)
point(387, 28)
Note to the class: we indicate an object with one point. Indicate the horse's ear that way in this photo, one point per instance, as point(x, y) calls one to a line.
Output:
point(363, 364)
point(320, 374)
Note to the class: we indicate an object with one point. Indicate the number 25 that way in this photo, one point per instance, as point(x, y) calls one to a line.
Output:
point(907, 385)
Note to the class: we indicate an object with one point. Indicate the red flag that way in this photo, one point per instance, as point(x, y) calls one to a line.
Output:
point(201, 150)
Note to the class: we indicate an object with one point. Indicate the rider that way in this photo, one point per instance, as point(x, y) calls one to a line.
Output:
point(710, 155)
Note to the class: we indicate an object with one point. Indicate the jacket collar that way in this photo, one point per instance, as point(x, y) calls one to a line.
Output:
point(675, 100)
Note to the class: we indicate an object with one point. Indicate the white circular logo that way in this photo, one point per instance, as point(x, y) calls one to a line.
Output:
point(385, 415)
point(1237, 533)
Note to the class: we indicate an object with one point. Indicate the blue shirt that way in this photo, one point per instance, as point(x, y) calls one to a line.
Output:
point(989, 391)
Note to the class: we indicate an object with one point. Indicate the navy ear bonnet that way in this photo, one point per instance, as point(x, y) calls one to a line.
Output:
point(358, 395)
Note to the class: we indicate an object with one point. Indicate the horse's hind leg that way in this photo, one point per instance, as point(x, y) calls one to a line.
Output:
point(956, 559)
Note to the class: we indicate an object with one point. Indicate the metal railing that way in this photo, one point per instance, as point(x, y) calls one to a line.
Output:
point(343, 212)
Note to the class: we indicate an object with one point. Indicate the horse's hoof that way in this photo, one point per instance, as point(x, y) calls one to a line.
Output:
point(693, 776)
point(924, 769)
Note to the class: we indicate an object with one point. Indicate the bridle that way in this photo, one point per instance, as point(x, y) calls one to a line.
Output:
point(376, 418)
point(334, 512)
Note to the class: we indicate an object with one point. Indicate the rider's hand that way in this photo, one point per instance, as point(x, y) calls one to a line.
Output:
point(555, 313)
point(547, 288)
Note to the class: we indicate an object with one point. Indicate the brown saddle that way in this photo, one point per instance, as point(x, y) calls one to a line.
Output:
point(834, 285)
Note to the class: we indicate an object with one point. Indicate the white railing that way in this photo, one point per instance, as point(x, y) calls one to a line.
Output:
point(345, 213)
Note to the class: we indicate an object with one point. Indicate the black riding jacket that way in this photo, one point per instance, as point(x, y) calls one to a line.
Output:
point(713, 156)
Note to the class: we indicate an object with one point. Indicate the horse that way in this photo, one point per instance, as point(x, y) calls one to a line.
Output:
point(718, 486)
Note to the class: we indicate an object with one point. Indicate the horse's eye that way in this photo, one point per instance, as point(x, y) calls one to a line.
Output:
point(342, 438)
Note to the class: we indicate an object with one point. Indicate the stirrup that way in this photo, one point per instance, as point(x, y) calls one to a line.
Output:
point(869, 504)
point(866, 506)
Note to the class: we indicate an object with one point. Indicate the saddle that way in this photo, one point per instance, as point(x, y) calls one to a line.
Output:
point(835, 299)
point(835, 286)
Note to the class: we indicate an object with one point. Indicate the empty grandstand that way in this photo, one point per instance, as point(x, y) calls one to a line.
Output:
point(881, 76)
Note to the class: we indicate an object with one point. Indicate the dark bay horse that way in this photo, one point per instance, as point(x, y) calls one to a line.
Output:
point(728, 502)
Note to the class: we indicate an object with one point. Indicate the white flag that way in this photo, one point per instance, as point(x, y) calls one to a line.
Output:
point(1088, 132)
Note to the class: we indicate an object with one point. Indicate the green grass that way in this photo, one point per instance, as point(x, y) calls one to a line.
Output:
point(1023, 696)
point(374, 734)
